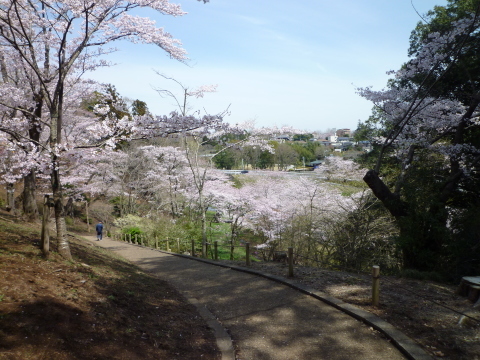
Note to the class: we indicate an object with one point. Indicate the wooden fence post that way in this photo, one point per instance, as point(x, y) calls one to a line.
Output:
point(290, 261)
point(215, 247)
point(136, 238)
point(129, 238)
point(156, 242)
point(141, 240)
point(45, 237)
point(193, 247)
point(88, 219)
point(168, 246)
point(178, 246)
point(247, 253)
point(375, 285)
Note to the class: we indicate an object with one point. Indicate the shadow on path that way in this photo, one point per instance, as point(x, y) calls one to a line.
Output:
point(266, 319)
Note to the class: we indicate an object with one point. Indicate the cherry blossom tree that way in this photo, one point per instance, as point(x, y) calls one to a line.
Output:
point(21, 106)
point(57, 40)
point(339, 168)
point(293, 211)
point(233, 204)
point(429, 118)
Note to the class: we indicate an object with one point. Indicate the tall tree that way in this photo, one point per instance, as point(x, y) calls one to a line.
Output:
point(429, 120)
point(55, 40)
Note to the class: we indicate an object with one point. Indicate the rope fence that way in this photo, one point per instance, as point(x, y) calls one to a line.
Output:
point(212, 249)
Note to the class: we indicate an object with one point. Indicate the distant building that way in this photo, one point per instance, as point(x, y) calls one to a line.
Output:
point(343, 133)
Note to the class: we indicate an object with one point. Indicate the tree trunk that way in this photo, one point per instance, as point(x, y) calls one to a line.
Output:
point(392, 201)
point(11, 198)
point(204, 230)
point(69, 209)
point(45, 237)
point(423, 231)
point(62, 241)
point(30, 208)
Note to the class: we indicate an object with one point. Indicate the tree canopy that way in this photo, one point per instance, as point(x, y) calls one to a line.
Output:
point(427, 122)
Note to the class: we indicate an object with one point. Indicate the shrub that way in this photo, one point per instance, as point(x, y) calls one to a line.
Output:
point(132, 230)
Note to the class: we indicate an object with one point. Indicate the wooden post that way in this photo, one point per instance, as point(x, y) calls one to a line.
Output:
point(193, 247)
point(129, 238)
point(375, 285)
point(136, 239)
point(156, 242)
point(88, 219)
point(178, 246)
point(45, 237)
point(215, 248)
point(141, 240)
point(290, 262)
point(247, 253)
point(168, 246)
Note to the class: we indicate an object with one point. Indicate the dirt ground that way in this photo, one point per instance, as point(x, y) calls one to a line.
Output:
point(404, 303)
point(96, 307)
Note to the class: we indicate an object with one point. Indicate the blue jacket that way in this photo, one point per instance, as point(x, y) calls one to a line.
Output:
point(99, 228)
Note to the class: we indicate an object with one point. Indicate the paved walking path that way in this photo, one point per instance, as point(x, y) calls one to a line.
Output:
point(266, 319)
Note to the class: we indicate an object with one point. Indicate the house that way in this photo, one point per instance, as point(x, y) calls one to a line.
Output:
point(343, 133)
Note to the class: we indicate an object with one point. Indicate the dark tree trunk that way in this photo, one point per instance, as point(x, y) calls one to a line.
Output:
point(392, 202)
point(69, 209)
point(422, 233)
point(30, 207)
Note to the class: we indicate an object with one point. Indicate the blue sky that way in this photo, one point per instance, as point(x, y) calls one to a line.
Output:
point(279, 62)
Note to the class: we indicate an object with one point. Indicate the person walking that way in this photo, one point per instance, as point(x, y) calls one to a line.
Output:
point(99, 230)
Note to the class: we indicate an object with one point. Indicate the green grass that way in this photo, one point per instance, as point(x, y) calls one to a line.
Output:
point(224, 252)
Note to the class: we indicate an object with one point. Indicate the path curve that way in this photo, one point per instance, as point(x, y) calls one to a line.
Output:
point(270, 319)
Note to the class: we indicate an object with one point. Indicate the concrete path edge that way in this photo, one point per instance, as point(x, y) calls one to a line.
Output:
point(223, 339)
point(405, 344)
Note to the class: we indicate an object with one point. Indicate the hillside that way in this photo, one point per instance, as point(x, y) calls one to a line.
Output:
point(97, 307)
